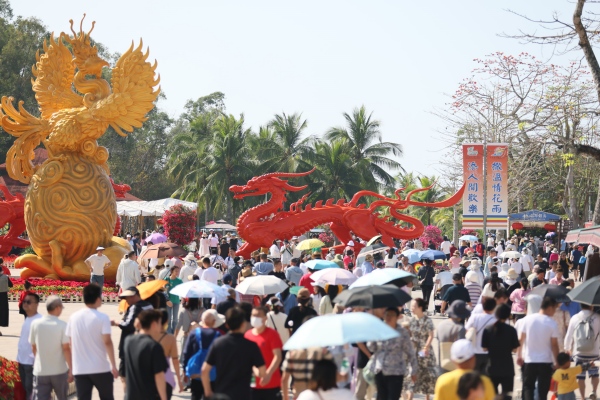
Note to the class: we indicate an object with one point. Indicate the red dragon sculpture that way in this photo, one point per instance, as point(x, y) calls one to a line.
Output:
point(262, 224)
point(12, 211)
point(120, 191)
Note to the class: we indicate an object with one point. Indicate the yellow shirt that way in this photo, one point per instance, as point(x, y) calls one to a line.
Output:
point(447, 385)
point(567, 379)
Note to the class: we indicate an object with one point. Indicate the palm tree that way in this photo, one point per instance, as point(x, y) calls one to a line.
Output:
point(429, 196)
point(289, 146)
point(334, 178)
point(187, 163)
point(368, 152)
point(229, 162)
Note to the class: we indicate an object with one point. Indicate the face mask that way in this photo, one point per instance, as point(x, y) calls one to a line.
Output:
point(256, 322)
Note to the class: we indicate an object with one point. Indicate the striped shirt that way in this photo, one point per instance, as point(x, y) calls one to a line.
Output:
point(474, 291)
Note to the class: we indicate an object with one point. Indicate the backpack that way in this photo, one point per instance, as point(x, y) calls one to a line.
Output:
point(194, 365)
point(582, 260)
point(585, 339)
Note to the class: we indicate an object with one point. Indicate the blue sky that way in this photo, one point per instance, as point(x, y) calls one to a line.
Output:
point(322, 58)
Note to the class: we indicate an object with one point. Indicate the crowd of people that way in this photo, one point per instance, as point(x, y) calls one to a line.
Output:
point(232, 346)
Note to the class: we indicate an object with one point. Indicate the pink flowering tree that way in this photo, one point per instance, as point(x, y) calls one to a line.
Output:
point(467, 231)
point(179, 223)
point(326, 238)
point(431, 233)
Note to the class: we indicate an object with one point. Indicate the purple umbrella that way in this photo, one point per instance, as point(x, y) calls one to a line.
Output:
point(156, 238)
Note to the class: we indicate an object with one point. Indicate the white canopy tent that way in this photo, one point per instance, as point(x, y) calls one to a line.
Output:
point(154, 208)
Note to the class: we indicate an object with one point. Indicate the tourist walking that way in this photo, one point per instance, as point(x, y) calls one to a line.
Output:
point(270, 346)
point(89, 332)
point(128, 272)
point(519, 304)
point(581, 341)
point(426, 275)
point(298, 313)
point(264, 266)
point(135, 306)
point(475, 327)
point(198, 342)
point(538, 350)
point(169, 345)
point(235, 358)
point(294, 273)
point(463, 355)
point(323, 384)
point(421, 331)
point(174, 301)
point(456, 292)
point(500, 340)
point(388, 359)
point(52, 368)
point(97, 263)
point(25, 356)
point(5, 284)
point(191, 313)
point(451, 330)
point(298, 368)
point(276, 319)
point(145, 362)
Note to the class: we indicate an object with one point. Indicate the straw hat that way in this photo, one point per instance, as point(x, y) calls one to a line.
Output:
point(512, 274)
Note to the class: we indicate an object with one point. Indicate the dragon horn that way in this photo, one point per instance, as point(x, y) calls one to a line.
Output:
point(289, 174)
point(418, 190)
point(81, 25)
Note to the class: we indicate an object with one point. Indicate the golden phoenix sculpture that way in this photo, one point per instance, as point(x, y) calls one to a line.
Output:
point(70, 206)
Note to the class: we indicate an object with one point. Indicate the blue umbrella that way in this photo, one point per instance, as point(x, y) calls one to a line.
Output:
point(319, 264)
point(413, 258)
point(338, 330)
point(408, 252)
point(381, 277)
point(469, 238)
point(432, 255)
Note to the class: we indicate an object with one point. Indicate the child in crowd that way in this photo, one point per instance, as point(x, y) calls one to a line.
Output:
point(566, 376)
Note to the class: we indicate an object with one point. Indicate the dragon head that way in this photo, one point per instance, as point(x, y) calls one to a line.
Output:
point(86, 58)
point(268, 183)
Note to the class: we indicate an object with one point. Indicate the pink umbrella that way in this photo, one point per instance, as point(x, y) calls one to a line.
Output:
point(156, 238)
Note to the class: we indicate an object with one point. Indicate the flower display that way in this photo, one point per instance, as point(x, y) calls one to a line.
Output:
point(179, 223)
point(432, 233)
point(65, 289)
point(326, 238)
point(9, 377)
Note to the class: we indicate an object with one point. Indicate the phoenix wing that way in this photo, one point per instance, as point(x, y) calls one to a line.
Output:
point(133, 81)
point(54, 72)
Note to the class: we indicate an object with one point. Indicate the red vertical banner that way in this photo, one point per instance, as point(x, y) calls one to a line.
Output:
point(497, 185)
point(473, 204)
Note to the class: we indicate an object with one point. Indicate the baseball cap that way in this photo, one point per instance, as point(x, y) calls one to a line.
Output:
point(461, 351)
point(132, 291)
point(227, 278)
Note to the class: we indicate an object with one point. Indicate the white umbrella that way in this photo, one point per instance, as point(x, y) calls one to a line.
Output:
point(261, 285)
point(469, 238)
point(510, 254)
point(198, 289)
point(334, 276)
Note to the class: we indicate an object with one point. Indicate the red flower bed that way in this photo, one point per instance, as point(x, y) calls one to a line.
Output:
point(9, 378)
point(48, 287)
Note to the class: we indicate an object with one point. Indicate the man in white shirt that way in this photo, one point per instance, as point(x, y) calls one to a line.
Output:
point(287, 253)
point(215, 258)
point(274, 253)
point(539, 348)
point(489, 261)
point(490, 242)
point(445, 247)
point(25, 356)
point(475, 326)
point(89, 331)
point(97, 263)
point(213, 241)
point(128, 273)
point(50, 344)
point(517, 266)
point(210, 273)
point(584, 351)
point(527, 262)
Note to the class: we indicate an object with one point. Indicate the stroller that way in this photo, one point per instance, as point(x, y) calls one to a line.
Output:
point(437, 298)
